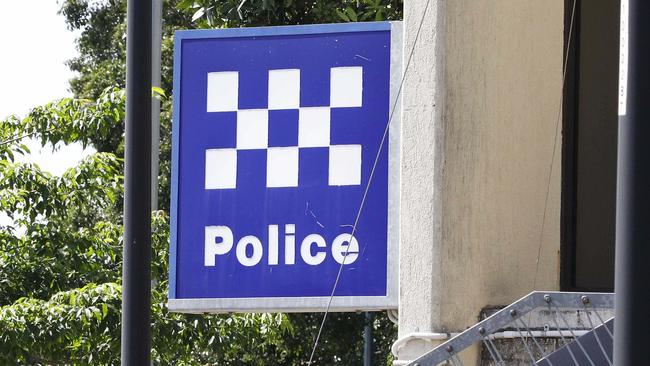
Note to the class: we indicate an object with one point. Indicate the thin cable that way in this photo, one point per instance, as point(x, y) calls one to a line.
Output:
point(575, 338)
point(372, 173)
point(496, 351)
point(600, 344)
point(557, 127)
point(539, 348)
point(523, 339)
point(492, 355)
point(557, 326)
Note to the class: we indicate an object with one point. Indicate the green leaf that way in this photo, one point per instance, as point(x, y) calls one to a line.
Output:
point(342, 15)
point(158, 92)
point(351, 14)
point(98, 315)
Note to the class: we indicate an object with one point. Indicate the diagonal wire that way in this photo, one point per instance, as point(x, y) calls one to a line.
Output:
point(372, 172)
point(496, 351)
point(523, 339)
point(492, 355)
point(576, 339)
point(600, 344)
point(603, 323)
point(557, 127)
point(557, 326)
point(539, 347)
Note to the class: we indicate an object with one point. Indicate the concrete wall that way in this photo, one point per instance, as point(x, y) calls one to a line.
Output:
point(503, 75)
point(421, 176)
point(480, 109)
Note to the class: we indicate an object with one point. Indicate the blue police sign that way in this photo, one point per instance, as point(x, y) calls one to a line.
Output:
point(275, 135)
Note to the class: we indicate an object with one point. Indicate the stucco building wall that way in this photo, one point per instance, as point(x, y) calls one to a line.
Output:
point(480, 109)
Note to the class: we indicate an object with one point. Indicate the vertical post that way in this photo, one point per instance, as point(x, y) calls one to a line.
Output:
point(136, 268)
point(632, 330)
point(156, 55)
point(367, 340)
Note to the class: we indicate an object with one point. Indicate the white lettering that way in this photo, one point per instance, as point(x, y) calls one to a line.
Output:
point(289, 244)
point(305, 249)
point(273, 245)
point(255, 257)
point(345, 249)
point(249, 249)
point(214, 247)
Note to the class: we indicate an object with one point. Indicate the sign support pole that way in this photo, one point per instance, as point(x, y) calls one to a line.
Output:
point(367, 339)
point(156, 39)
point(631, 337)
point(136, 268)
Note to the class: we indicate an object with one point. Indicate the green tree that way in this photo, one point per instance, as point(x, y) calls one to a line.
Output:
point(60, 259)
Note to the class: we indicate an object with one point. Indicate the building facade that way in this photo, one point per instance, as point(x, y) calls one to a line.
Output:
point(508, 158)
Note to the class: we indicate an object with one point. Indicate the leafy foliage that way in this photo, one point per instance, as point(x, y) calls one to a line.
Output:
point(237, 13)
point(61, 256)
point(102, 43)
point(50, 331)
point(96, 122)
point(75, 265)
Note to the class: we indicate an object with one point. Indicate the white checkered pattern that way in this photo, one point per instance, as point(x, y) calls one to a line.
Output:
point(346, 91)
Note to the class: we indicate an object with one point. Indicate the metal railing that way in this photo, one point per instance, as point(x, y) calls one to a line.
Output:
point(571, 316)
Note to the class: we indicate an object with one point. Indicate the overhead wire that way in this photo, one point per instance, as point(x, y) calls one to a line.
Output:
point(557, 128)
point(365, 193)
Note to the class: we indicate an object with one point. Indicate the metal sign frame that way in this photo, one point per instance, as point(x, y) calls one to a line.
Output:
point(297, 304)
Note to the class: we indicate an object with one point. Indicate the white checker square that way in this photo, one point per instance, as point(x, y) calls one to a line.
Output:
point(314, 127)
point(345, 165)
point(223, 91)
point(282, 167)
point(346, 86)
point(284, 89)
point(220, 168)
point(252, 129)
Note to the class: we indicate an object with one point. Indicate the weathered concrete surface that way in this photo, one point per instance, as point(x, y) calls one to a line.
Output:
point(480, 107)
point(503, 71)
point(422, 154)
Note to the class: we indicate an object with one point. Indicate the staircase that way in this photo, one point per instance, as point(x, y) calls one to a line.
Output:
point(542, 328)
point(597, 345)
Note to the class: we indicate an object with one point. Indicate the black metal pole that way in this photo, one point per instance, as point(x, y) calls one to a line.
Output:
point(632, 329)
point(136, 268)
point(367, 340)
point(156, 46)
